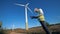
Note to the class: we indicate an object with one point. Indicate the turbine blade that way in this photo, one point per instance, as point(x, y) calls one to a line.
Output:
point(27, 4)
point(30, 10)
point(20, 4)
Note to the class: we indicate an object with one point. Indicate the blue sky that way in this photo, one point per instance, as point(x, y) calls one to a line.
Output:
point(13, 14)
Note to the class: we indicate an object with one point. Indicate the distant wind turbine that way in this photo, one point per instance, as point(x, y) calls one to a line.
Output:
point(26, 16)
point(13, 26)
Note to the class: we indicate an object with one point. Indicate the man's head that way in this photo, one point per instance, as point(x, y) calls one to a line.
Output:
point(36, 9)
point(39, 11)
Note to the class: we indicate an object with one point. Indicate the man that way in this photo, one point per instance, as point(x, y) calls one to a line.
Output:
point(41, 19)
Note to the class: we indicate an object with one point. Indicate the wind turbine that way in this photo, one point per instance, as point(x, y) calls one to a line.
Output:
point(13, 26)
point(26, 16)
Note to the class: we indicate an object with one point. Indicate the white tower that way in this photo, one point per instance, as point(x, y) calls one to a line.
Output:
point(26, 16)
point(13, 26)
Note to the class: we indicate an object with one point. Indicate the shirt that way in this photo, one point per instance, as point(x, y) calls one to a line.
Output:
point(41, 15)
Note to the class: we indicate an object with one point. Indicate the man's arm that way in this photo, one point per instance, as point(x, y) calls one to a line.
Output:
point(34, 17)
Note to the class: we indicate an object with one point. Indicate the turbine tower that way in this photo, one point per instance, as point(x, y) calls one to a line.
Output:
point(13, 26)
point(26, 16)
